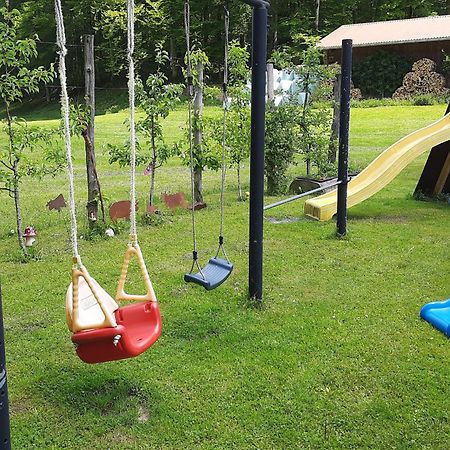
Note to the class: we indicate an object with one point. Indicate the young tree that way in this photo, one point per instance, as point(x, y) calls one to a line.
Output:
point(205, 152)
point(18, 159)
point(280, 145)
point(157, 98)
point(238, 114)
point(313, 130)
point(313, 122)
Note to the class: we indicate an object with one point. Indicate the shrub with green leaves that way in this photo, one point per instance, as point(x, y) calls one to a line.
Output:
point(381, 73)
point(29, 151)
point(280, 146)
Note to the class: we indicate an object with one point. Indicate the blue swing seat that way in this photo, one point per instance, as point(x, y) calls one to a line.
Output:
point(438, 314)
point(214, 274)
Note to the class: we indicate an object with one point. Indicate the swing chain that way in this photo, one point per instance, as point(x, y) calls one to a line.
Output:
point(190, 83)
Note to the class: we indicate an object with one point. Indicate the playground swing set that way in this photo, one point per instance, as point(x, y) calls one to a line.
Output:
point(218, 269)
point(104, 331)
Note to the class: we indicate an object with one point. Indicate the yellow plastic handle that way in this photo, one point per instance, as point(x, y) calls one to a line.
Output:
point(134, 250)
point(109, 320)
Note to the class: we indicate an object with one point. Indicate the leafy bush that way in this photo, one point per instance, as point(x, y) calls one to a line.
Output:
point(280, 146)
point(424, 100)
point(380, 74)
point(154, 220)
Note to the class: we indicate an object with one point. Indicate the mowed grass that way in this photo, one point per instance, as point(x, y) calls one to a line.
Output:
point(337, 357)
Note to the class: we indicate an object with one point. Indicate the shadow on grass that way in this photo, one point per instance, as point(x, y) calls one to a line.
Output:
point(102, 390)
point(107, 101)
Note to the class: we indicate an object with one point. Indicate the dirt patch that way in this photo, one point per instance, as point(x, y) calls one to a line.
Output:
point(277, 221)
point(143, 414)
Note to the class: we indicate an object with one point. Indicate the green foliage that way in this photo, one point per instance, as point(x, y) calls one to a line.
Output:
point(33, 153)
point(280, 146)
point(445, 66)
point(313, 121)
point(238, 60)
point(424, 100)
point(155, 220)
point(158, 20)
point(19, 158)
point(313, 137)
point(17, 78)
point(157, 98)
point(206, 153)
point(120, 154)
point(380, 74)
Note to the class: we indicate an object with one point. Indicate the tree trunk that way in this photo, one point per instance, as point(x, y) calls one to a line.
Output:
point(92, 181)
point(153, 163)
point(317, 15)
point(238, 169)
point(198, 134)
point(90, 153)
point(274, 26)
point(305, 110)
point(152, 186)
point(16, 188)
point(332, 152)
point(173, 59)
point(198, 185)
point(18, 212)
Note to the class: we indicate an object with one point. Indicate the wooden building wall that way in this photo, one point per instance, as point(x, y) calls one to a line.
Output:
point(413, 51)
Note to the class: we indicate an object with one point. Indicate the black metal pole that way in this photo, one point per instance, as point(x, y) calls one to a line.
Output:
point(5, 434)
point(347, 51)
point(259, 60)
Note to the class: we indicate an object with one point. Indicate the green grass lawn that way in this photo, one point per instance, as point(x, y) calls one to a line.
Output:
point(336, 358)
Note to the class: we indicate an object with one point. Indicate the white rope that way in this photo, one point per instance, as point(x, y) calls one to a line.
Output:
point(132, 95)
point(61, 41)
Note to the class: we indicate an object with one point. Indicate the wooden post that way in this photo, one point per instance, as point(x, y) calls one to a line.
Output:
point(270, 83)
point(336, 119)
point(89, 135)
point(198, 134)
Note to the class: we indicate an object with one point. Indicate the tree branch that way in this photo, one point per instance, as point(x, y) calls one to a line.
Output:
point(6, 165)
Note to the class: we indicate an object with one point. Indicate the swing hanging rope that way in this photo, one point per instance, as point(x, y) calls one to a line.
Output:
point(190, 83)
point(132, 100)
point(61, 41)
point(224, 137)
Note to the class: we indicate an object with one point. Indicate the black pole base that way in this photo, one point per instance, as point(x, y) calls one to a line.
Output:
point(5, 433)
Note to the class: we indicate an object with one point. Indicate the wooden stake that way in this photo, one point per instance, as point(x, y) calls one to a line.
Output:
point(89, 77)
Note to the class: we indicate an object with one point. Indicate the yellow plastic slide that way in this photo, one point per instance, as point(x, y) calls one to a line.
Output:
point(383, 169)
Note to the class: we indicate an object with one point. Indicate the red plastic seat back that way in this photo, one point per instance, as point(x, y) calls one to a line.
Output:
point(139, 326)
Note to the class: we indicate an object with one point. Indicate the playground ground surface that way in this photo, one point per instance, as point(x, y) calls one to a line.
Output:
point(337, 357)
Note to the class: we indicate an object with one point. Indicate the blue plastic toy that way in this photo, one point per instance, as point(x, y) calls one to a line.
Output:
point(212, 275)
point(438, 314)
